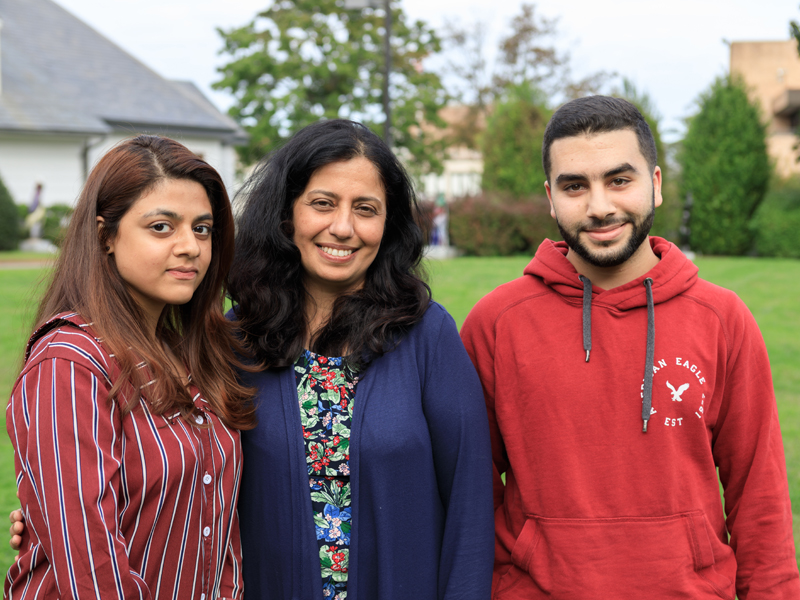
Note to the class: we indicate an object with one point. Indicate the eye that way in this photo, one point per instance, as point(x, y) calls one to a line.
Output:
point(202, 230)
point(366, 210)
point(619, 181)
point(573, 187)
point(161, 227)
point(322, 203)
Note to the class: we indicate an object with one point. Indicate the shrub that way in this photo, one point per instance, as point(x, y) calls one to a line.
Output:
point(500, 226)
point(777, 221)
point(10, 234)
point(725, 169)
point(56, 222)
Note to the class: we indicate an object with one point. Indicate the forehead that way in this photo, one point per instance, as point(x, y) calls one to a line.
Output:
point(595, 153)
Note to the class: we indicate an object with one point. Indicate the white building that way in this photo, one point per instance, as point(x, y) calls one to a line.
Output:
point(67, 94)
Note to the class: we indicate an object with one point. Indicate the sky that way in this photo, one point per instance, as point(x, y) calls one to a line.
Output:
point(670, 50)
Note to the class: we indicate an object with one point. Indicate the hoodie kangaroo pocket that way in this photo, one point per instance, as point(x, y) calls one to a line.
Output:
point(673, 556)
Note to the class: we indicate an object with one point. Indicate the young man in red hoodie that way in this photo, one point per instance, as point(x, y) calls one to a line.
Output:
point(618, 384)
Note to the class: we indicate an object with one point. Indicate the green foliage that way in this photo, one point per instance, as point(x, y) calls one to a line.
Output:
point(500, 226)
point(512, 144)
point(10, 233)
point(777, 221)
point(56, 222)
point(725, 169)
point(302, 60)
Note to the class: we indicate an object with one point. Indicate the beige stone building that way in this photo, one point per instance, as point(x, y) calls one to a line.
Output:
point(772, 72)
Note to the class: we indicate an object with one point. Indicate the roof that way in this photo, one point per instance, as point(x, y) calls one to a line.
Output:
point(57, 74)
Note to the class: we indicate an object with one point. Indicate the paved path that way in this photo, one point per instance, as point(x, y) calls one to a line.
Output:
point(25, 264)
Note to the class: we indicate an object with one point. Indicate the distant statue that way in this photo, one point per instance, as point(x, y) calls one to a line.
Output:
point(440, 218)
point(36, 214)
point(34, 221)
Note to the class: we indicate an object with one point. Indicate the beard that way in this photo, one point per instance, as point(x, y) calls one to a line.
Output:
point(640, 228)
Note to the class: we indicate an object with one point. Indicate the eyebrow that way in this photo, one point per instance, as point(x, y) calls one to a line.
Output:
point(163, 212)
point(571, 177)
point(336, 196)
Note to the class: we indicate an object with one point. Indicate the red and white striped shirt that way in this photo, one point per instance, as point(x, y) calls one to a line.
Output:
point(134, 506)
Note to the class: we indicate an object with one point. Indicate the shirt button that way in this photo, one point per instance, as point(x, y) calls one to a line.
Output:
point(199, 420)
point(202, 597)
point(207, 479)
point(206, 531)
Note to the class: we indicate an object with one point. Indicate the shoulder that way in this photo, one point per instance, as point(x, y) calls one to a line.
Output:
point(504, 299)
point(68, 337)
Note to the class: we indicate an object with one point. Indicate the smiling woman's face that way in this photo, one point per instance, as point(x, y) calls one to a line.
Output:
point(338, 225)
point(162, 248)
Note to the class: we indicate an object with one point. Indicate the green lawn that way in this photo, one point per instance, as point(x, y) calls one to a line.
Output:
point(770, 287)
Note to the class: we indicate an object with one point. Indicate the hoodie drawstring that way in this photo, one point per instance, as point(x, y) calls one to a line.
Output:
point(587, 315)
point(647, 397)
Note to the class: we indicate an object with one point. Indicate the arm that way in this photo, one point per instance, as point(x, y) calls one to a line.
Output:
point(66, 435)
point(479, 341)
point(456, 416)
point(748, 450)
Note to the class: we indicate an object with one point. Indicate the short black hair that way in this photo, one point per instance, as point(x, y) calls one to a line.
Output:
point(598, 114)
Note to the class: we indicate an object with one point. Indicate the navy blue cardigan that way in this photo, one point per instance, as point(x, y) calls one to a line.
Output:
point(421, 480)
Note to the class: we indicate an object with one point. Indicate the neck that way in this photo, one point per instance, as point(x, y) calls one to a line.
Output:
point(318, 311)
point(608, 278)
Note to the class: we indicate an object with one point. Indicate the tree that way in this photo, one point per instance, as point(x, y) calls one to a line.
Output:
point(512, 143)
point(725, 168)
point(302, 60)
point(9, 221)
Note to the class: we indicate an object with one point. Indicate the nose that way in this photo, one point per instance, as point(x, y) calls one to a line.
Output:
point(342, 224)
point(186, 243)
point(599, 203)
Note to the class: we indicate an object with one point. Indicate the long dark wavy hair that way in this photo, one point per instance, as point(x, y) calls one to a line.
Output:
point(86, 280)
point(266, 279)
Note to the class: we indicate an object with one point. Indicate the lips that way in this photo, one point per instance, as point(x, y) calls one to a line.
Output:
point(604, 234)
point(184, 274)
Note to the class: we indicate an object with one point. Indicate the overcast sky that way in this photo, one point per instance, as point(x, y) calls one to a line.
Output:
point(672, 50)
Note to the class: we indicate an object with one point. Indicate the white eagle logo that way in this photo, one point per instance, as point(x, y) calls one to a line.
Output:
point(676, 394)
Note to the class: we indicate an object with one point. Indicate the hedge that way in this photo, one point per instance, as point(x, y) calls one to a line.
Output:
point(494, 226)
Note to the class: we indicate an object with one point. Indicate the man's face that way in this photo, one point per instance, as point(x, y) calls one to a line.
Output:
point(602, 195)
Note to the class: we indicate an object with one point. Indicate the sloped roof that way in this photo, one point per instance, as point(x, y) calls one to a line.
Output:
point(57, 74)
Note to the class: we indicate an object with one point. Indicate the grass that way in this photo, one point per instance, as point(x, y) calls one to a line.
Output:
point(770, 288)
point(19, 256)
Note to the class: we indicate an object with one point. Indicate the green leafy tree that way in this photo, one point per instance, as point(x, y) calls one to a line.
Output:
point(10, 230)
point(302, 60)
point(668, 216)
point(526, 57)
point(512, 143)
point(725, 169)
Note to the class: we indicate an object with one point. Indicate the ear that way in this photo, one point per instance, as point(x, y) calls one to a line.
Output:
point(657, 198)
point(550, 199)
point(109, 243)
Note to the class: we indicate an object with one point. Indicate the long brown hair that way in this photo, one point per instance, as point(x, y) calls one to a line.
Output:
point(86, 280)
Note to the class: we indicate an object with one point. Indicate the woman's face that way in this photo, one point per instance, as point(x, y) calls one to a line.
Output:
point(163, 245)
point(338, 225)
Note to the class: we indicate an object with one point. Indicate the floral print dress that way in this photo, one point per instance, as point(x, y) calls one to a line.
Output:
point(325, 390)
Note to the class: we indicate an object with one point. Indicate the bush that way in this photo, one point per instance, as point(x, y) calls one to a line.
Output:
point(777, 221)
point(725, 169)
point(56, 222)
point(10, 234)
point(500, 226)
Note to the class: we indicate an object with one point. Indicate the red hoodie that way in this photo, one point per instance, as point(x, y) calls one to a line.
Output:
point(592, 506)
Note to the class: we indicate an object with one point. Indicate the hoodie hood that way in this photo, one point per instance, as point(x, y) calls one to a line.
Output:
point(673, 275)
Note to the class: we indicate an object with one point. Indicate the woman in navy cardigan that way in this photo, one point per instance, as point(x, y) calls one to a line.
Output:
point(369, 474)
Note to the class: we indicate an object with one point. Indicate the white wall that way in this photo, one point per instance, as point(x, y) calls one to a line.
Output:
point(57, 163)
point(54, 161)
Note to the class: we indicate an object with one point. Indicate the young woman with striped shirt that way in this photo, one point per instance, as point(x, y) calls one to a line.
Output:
point(125, 417)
